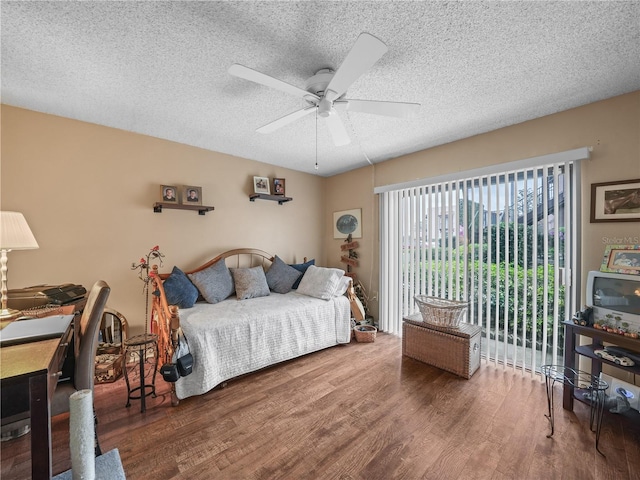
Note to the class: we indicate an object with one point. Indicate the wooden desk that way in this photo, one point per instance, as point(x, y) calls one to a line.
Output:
point(36, 366)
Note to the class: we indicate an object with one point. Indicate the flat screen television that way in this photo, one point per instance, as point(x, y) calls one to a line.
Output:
point(615, 297)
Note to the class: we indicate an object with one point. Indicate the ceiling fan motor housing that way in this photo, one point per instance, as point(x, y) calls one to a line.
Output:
point(318, 83)
point(318, 86)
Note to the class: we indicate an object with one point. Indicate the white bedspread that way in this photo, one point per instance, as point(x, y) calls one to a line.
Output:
point(234, 337)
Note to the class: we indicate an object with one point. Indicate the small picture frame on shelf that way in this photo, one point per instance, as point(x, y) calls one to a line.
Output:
point(191, 195)
point(621, 259)
point(169, 193)
point(261, 185)
point(278, 186)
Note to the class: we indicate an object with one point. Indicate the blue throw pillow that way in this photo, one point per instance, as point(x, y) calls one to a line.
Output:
point(179, 290)
point(302, 267)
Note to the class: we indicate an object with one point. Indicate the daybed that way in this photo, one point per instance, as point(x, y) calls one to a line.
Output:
point(233, 334)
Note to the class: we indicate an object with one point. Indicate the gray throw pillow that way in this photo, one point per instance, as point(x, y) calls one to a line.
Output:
point(179, 290)
point(250, 283)
point(214, 283)
point(281, 277)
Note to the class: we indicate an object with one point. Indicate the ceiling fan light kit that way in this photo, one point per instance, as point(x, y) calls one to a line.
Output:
point(326, 90)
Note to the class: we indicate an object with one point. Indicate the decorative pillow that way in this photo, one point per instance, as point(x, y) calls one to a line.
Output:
point(321, 282)
point(343, 285)
point(250, 282)
point(281, 277)
point(214, 283)
point(302, 268)
point(179, 290)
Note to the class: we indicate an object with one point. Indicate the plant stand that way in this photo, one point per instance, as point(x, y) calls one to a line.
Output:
point(591, 385)
point(140, 345)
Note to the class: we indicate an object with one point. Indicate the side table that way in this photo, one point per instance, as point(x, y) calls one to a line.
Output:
point(140, 345)
point(594, 393)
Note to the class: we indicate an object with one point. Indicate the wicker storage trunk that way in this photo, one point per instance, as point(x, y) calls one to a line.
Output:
point(456, 350)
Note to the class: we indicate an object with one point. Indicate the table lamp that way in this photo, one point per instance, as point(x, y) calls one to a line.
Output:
point(15, 234)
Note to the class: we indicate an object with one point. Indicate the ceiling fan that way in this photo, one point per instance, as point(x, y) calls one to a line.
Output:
point(324, 92)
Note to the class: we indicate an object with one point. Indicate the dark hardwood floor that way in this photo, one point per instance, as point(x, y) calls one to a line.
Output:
point(359, 411)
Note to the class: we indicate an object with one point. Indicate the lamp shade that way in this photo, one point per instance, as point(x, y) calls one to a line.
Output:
point(15, 233)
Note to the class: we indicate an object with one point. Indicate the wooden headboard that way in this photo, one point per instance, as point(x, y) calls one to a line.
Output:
point(241, 258)
point(237, 258)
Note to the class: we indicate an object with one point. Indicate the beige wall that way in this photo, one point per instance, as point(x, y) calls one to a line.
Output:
point(345, 192)
point(611, 127)
point(87, 192)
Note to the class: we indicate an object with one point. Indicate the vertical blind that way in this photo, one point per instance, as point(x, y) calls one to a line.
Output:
point(505, 241)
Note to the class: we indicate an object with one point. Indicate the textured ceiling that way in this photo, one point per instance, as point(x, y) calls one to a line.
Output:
point(160, 69)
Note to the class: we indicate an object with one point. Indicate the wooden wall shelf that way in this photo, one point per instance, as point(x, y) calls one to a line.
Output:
point(276, 198)
point(201, 209)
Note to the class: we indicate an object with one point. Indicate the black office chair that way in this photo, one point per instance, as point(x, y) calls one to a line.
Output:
point(83, 372)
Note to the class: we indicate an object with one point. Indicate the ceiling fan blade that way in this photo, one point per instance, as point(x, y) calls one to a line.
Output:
point(365, 52)
point(247, 73)
point(390, 109)
point(337, 130)
point(287, 119)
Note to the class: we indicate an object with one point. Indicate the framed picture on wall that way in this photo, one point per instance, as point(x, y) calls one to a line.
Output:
point(192, 195)
point(261, 185)
point(278, 186)
point(169, 193)
point(347, 222)
point(615, 201)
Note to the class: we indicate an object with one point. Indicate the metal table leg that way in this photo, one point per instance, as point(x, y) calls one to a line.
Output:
point(595, 394)
point(550, 380)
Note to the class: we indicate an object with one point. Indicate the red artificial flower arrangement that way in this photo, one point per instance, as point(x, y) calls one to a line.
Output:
point(144, 264)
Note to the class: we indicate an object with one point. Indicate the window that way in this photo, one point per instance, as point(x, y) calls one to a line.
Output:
point(505, 241)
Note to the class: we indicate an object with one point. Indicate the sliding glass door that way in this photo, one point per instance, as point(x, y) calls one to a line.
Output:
point(506, 242)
